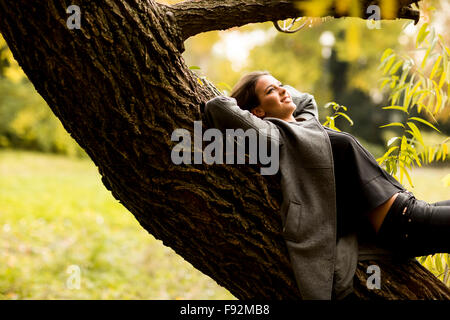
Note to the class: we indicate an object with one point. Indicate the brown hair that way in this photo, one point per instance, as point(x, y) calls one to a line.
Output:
point(244, 90)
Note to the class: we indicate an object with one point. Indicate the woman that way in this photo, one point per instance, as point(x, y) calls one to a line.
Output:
point(332, 188)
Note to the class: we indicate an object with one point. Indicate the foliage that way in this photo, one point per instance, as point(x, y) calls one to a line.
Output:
point(417, 86)
point(330, 122)
point(438, 265)
point(27, 122)
point(9, 68)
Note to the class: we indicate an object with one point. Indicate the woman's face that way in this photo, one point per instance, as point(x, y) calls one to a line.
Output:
point(275, 100)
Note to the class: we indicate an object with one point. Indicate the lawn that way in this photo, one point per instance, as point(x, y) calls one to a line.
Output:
point(63, 236)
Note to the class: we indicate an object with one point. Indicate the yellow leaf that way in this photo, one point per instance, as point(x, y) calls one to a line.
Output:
point(314, 8)
point(388, 8)
point(355, 8)
point(353, 41)
point(342, 6)
point(402, 169)
point(389, 64)
point(386, 53)
point(442, 80)
point(435, 67)
point(396, 66)
point(431, 154)
point(422, 34)
point(446, 180)
point(439, 155)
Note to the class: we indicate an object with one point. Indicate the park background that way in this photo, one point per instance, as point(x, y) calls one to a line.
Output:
point(63, 235)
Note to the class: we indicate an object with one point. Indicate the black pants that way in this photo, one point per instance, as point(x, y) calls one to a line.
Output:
point(361, 184)
point(414, 227)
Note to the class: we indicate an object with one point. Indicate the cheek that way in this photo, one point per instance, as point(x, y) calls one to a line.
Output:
point(274, 101)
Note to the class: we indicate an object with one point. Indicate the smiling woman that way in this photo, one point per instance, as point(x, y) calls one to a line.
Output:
point(335, 195)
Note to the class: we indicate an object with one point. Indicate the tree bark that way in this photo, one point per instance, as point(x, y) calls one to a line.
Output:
point(194, 17)
point(120, 87)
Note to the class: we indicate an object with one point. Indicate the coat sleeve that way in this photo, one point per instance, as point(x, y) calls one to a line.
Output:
point(223, 113)
point(304, 101)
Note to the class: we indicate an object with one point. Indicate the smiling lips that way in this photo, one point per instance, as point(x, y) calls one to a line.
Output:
point(284, 99)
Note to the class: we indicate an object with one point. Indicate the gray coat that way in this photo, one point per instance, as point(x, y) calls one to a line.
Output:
point(323, 265)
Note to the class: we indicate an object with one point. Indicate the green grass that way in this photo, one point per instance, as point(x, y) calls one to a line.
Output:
point(55, 213)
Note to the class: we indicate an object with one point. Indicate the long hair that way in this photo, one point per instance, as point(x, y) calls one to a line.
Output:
point(244, 90)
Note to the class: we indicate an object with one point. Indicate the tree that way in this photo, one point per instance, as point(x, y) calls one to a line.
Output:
point(120, 87)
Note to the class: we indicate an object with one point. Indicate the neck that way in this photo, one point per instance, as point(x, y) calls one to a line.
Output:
point(290, 119)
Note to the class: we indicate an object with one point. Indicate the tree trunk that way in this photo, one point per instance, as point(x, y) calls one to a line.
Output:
point(120, 87)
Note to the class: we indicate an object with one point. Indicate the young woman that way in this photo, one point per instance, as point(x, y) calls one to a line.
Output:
point(332, 187)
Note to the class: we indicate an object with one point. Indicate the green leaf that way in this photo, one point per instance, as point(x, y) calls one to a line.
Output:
point(385, 82)
point(330, 104)
point(439, 153)
point(438, 263)
point(403, 144)
point(422, 34)
point(401, 108)
point(194, 68)
point(416, 132)
point(346, 117)
point(393, 124)
point(406, 67)
point(405, 172)
point(425, 122)
point(430, 154)
point(389, 64)
point(386, 53)
point(442, 80)
point(414, 89)
point(435, 67)
point(397, 65)
point(392, 149)
point(427, 53)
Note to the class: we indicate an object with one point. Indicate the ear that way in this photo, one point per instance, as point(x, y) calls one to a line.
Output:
point(258, 111)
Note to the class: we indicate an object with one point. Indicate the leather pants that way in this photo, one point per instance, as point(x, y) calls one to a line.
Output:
point(415, 228)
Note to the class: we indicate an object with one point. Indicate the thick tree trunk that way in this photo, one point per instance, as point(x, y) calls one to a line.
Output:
point(120, 87)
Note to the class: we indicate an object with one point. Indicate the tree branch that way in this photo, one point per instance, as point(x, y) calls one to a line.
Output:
point(194, 17)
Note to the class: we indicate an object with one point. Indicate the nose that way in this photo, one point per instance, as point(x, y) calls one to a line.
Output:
point(282, 92)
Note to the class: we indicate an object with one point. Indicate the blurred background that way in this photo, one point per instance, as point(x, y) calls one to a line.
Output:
point(62, 234)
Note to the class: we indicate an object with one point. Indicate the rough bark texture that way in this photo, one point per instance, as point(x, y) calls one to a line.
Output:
point(120, 87)
point(194, 17)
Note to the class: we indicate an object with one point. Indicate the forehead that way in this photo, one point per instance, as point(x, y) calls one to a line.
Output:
point(264, 81)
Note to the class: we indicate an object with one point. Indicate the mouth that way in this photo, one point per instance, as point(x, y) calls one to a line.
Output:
point(285, 98)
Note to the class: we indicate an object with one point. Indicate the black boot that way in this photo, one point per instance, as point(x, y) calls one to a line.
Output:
point(415, 228)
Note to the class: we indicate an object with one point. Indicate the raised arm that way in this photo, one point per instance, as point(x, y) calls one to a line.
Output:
point(223, 113)
point(306, 105)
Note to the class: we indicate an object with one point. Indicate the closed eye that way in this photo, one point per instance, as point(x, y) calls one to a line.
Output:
point(270, 90)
